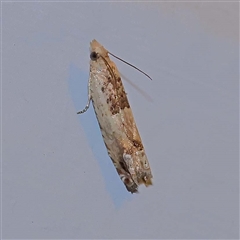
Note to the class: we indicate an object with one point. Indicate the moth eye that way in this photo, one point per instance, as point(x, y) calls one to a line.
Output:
point(93, 56)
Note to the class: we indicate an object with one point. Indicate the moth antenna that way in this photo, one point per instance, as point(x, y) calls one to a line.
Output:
point(130, 65)
point(110, 69)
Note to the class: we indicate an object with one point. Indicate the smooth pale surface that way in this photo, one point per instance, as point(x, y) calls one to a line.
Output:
point(58, 181)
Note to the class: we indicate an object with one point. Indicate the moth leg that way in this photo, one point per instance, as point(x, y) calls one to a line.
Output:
point(89, 99)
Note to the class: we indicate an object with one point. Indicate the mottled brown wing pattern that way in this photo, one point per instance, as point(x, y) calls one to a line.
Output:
point(125, 111)
point(116, 121)
point(141, 172)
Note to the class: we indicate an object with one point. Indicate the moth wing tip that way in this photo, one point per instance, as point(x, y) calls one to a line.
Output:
point(148, 181)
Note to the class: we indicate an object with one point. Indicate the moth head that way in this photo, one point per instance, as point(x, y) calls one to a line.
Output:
point(97, 50)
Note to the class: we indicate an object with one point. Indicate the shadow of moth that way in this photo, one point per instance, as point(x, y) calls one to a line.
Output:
point(115, 118)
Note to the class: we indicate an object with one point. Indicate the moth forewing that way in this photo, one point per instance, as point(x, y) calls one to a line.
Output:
point(116, 121)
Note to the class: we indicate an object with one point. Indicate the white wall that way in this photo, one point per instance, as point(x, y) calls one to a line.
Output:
point(57, 179)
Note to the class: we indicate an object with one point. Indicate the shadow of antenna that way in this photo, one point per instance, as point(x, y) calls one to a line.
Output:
point(142, 92)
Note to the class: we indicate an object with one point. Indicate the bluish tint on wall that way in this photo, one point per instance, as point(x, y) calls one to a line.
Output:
point(78, 82)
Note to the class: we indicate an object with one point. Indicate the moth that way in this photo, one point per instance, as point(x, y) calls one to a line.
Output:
point(115, 118)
